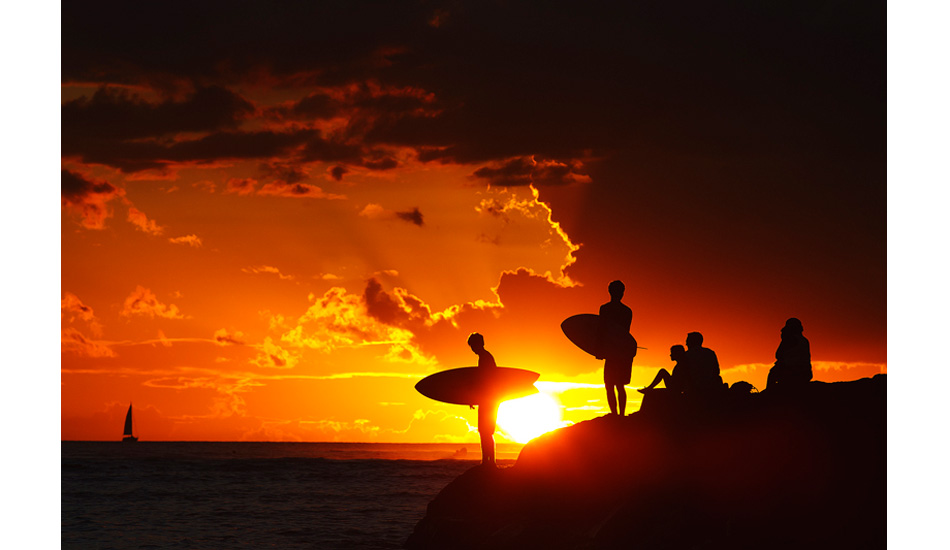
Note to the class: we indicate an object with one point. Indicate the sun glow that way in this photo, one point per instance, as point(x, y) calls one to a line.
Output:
point(523, 419)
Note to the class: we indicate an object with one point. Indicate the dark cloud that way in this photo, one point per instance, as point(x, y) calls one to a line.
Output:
point(495, 81)
point(328, 151)
point(398, 308)
point(381, 164)
point(316, 105)
point(518, 78)
point(224, 338)
point(130, 156)
point(296, 190)
point(364, 103)
point(528, 171)
point(337, 172)
point(241, 186)
point(283, 172)
point(75, 188)
point(413, 216)
point(87, 198)
point(297, 42)
point(396, 101)
point(239, 145)
point(113, 113)
point(513, 173)
point(381, 306)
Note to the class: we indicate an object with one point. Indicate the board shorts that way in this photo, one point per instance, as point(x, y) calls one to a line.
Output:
point(617, 371)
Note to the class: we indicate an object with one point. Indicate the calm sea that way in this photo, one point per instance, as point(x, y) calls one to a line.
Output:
point(253, 495)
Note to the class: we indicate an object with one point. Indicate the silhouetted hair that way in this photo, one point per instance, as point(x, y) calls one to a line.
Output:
point(695, 337)
point(794, 324)
point(476, 337)
point(678, 348)
point(616, 288)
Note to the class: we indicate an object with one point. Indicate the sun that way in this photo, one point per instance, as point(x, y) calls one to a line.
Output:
point(521, 420)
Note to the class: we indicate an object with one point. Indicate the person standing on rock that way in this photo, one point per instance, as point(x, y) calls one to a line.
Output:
point(613, 328)
point(487, 412)
point(792, 367)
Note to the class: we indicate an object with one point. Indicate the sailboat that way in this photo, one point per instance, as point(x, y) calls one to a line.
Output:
point(127, 432)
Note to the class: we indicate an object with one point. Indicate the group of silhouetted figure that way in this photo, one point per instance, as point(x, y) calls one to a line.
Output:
point(696, 368)
point(695, 374)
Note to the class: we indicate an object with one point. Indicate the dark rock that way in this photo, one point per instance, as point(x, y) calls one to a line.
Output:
point(746, 470)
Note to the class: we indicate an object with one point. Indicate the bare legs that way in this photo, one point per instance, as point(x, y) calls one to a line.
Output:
point(662, 376)
point(487, 415)
point(616, 398)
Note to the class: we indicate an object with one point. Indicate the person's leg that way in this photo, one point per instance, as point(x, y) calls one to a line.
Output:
point(487, 415)
point(611, 398)
point(609, 383)
point(488, 448)
point(621, 399)
point(662, 376)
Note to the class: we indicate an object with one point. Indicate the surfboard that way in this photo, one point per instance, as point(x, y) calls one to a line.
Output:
point(581, 330)
point(474, 385)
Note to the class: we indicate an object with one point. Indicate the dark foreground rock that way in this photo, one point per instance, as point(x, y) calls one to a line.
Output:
point(751, 471)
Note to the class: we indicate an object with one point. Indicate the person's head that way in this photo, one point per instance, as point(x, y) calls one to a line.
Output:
point(792, 327)
point(677, 353)
point(616, 290)
point(694, 340)
point(476, 341)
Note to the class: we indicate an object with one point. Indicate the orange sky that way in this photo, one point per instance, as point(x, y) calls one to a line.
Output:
point(274, 238)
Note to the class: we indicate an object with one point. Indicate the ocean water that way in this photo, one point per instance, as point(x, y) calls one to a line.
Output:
point(253, 495)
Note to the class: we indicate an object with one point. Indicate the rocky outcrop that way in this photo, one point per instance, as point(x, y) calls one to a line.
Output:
point(752, 470)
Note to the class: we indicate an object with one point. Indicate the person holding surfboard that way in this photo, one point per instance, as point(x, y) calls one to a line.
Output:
point(487, 410)
point(613, 328)
point(484, 386)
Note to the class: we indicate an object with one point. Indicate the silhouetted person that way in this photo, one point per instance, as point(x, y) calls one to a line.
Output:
point(703, 363)
point(615, 319)
point(487, 411)
point(680, 380)
point(792, 358)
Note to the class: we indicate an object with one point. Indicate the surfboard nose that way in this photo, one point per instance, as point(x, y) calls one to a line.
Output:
point(474, 385)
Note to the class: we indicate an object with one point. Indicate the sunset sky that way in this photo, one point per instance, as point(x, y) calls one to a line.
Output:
point(277, 217)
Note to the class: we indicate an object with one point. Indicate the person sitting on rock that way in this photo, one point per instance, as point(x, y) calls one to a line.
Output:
point(792, 367)
point(677, 382)
point(488, 411)
point(703, 363)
